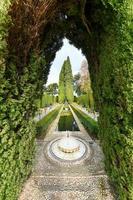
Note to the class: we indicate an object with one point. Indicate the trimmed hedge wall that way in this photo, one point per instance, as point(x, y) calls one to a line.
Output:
point(83, 100)
point(18, 94)
point(90, 124)
point(107, 43)
point(46, 100)
point(17, 131)
point(44, 123)
point(113, 90)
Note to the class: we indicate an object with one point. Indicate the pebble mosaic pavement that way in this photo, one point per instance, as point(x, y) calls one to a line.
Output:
point(51, 180)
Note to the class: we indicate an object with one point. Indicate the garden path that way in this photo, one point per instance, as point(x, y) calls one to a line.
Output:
point(51, 180)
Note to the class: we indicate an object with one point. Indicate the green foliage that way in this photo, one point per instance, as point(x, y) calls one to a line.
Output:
point(17, 108)
point(113, 92)
point(82, 86)
point(76, 80)
point(44, 123)
point(90, 124)
point(83, 100)
point(52, 88)
point(62, 94)
point(69, 81)
point(107, 45)
point(66, 83)
point(86, 100)
point(17, 128)
point(46, 100)
point(4, 25)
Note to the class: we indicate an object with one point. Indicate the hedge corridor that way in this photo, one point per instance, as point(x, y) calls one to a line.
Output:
point(31, 33)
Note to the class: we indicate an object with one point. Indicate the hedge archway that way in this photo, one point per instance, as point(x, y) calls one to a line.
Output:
point(31, 31)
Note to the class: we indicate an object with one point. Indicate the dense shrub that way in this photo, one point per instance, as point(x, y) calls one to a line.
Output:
point(44, 123)
point(107, 43)
point(83, 100)
point(90, 124)
point(17, 109)
point(46, 100)
point(113, 81)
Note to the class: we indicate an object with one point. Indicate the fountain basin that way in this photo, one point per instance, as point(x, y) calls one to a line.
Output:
point(74, 155)
point(68, 145)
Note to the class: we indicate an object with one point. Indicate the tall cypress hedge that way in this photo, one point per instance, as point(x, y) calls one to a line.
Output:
point(69, 81)
point(66, 83)
point(62, 86)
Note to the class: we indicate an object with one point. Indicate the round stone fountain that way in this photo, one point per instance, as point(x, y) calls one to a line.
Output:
point(68, 144)
point(68, 149)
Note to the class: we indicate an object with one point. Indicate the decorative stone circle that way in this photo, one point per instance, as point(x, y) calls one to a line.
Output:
point(63, 155)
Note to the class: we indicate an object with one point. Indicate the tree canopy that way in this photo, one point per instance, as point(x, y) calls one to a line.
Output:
point(52, 88)
point(82, 86)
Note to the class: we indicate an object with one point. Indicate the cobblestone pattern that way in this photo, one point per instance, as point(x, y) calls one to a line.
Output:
point(51, 181)
point(51, 188)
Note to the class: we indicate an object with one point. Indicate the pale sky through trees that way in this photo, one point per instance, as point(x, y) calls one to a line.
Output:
point(76, 57)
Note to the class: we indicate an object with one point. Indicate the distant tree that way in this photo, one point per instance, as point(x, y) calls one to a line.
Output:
point(84, 77)
point(85, 83)
point(66, 83)
point(52, 88)
point(76, 82)
point(69, 81)
point(44, 88)
point(62, 92)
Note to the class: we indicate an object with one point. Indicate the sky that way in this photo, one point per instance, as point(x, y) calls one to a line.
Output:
point(76, 58)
